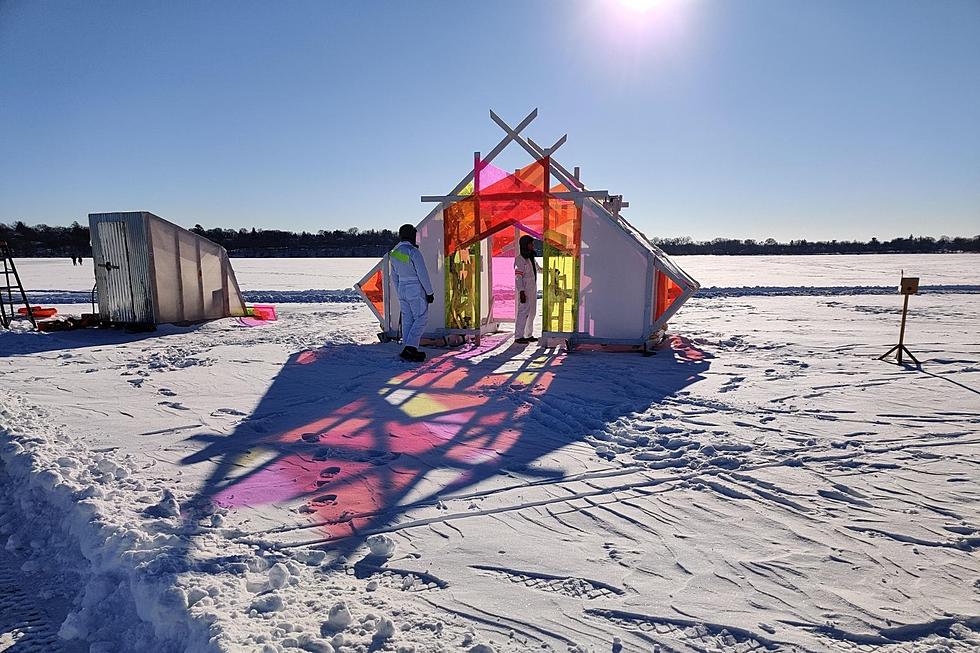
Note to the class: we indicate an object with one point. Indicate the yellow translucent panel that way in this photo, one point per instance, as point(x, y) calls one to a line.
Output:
point(463, 288)
point(560, 290)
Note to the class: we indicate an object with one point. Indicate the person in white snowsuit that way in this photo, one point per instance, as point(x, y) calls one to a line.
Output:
point(414, 291)
point(526, 283)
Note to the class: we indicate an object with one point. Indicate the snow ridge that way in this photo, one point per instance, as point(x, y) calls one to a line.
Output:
point(69, 506)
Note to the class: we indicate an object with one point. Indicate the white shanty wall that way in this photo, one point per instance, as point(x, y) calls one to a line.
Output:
point(613, 279)
point(193, 279)
point(431, 244)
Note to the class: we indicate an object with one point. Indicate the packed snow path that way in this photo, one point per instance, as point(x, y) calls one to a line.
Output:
point(760, 484)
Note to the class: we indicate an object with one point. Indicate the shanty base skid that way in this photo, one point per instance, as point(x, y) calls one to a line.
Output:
point(582, 341)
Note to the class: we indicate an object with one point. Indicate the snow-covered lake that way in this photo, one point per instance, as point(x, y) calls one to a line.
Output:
point(710, 271)
point(763, 483)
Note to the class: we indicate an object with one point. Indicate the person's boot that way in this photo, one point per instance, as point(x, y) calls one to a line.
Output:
point(407, 354)
point(521, 341)
point(412, 354)
point(531, 339)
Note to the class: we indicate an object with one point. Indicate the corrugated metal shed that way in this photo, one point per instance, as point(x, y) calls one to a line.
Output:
point(150, 271)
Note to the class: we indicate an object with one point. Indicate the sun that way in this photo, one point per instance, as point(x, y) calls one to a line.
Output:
point(639, 6)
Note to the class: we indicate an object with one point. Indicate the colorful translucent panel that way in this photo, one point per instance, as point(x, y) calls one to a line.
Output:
point(373, 289)
point(560, 289)
point(504, 290)
point(463, 288)
point(562, 225)
point(498, 200)
point(667, 293)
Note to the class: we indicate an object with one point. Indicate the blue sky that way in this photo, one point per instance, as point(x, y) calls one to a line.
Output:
point(838, 119)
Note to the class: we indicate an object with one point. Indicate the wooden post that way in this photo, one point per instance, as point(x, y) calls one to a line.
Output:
point(901, 331)
point(545, 301)
point(908, 286)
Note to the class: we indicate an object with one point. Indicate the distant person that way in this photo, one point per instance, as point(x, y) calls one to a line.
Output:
point(414, 291)
point(526, 284)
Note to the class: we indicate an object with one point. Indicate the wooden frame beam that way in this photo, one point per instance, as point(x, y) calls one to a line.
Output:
point(498, 148)
point(559, 171)
point(529, 195)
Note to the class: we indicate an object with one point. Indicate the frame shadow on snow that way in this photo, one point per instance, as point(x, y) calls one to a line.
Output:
point(23, 342)
point(348, 438)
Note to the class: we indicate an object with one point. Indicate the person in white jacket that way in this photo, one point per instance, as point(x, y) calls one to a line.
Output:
point(526, 283)
point(414, 291)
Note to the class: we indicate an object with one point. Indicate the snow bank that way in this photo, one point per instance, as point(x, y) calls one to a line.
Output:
point(74, 514)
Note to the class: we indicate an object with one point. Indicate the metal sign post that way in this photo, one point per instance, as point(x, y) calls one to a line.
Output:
point(908, 286)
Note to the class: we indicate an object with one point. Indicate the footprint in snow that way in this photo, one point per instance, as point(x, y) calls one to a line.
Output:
point(167, 392)
point(230, 412)
point(326, 476)
point(176, 405)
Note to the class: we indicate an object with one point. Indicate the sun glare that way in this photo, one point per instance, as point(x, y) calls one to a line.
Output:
point(639, 6)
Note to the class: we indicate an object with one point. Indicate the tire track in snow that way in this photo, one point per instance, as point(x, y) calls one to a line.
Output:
point(645, 480)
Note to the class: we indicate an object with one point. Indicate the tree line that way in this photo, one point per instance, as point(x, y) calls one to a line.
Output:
point(73, 240)
point(732, 246)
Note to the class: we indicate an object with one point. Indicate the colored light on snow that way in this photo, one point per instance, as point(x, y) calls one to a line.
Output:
point(367, 457)
point(422, 405)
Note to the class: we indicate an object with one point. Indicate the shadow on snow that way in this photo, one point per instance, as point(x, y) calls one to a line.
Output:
point(19, 343)
point(354, 438)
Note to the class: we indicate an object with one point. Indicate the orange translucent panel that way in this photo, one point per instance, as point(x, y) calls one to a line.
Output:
point(503, 243)
point(562, 225)
point(460, 225)
point(667, 294)
point(373, 289)
point(498, 200)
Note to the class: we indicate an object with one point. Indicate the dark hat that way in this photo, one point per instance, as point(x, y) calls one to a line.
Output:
point(407, 232)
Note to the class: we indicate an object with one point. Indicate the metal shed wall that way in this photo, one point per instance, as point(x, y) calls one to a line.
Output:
point(120, 248)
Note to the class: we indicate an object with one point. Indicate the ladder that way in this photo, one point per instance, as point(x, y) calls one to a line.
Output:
point(11, 284)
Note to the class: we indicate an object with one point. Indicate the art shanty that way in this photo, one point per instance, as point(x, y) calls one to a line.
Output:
point(603, 282)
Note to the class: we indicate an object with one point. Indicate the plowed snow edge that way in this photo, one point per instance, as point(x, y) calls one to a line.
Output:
point(67, 513)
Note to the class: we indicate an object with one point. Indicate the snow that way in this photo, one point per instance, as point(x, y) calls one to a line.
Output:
point(762, 483)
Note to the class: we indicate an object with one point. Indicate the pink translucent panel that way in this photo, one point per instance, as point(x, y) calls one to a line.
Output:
point(503, 288)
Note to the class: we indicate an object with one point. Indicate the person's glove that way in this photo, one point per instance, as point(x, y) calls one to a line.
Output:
point(523, 297)
point(430, 298)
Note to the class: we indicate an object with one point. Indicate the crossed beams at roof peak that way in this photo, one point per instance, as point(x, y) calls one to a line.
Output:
point(513, 134)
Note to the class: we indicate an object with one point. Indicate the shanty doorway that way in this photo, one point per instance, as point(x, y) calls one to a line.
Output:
point(504, 248)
